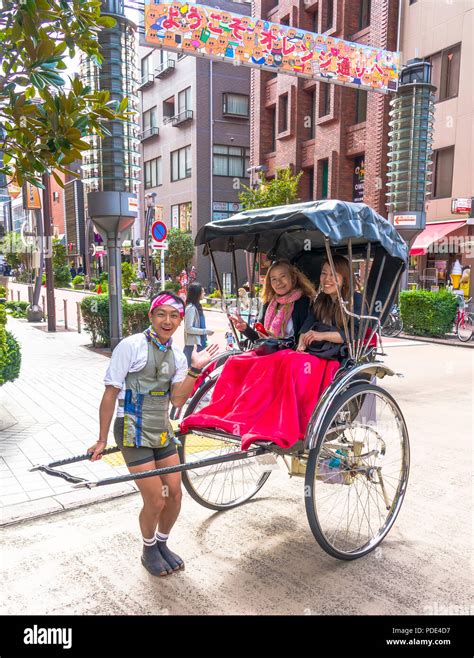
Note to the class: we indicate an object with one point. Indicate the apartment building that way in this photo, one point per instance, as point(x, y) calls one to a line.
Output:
point(336, 135)
point(441, 33)
point(195, 141)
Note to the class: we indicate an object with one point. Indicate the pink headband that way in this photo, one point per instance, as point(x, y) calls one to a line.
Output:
point(164, 298)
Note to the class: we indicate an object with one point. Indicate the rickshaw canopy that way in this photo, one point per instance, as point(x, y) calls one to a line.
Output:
point(281, 230)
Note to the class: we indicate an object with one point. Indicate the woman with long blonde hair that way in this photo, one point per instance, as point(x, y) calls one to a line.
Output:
point(286, 296)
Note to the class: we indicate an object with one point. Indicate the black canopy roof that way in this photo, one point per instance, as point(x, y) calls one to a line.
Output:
point(282, 229)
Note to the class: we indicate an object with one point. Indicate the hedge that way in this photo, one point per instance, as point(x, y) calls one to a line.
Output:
point(426, 313)
point(17, 309)
point(95, 312)
point(10, 353)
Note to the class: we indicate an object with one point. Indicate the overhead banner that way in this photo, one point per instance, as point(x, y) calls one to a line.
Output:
point(31, 197)
point(241, 40)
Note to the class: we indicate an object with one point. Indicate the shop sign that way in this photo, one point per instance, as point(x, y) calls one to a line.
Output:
point(219, 205)
point(459, 206)
point(211, 32)
point(358, 176)
point(31, 197)
point(219, 215)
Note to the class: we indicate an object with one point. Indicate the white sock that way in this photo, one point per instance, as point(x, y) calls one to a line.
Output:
point(149, 542)
point(160, 536)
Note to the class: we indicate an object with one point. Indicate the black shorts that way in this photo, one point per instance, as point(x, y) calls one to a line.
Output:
point(137, 456)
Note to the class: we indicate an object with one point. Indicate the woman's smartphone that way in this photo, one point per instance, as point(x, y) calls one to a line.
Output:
point(261, 329)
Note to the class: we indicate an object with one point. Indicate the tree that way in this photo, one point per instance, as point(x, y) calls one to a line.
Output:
point(13, 248)
point(62, 275)
point(43, 122)
point(279, 191)
point(180, 251)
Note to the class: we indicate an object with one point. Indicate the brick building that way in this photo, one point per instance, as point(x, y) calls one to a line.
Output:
point(336, 135)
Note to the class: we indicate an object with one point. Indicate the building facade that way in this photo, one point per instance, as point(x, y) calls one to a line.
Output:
point(441, 33)
point(195, 141)
point(336, 135)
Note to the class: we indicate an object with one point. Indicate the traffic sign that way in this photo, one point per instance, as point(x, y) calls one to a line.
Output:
point(159, 231)
point(160, 245)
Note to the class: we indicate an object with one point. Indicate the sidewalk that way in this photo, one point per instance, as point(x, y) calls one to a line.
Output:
point(51, 412)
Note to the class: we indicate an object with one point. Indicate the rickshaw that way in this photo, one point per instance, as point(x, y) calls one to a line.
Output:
point(354, 457)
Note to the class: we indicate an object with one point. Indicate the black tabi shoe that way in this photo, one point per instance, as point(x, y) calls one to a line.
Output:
point(175, 562)
point(154, 562)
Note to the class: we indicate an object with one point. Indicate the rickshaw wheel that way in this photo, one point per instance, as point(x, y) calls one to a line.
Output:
point(357, 474)
point(221, 486)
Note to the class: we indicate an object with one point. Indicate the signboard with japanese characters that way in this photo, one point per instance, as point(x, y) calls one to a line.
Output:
point(211, 32)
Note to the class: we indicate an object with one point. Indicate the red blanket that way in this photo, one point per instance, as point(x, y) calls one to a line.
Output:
point(266, 398)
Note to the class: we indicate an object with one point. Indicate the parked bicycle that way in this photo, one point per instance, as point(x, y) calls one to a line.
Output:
point(394, 323)
point(464, 322)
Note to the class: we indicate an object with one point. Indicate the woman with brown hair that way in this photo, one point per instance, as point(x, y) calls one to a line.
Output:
point(286, 296)
point(325, 319)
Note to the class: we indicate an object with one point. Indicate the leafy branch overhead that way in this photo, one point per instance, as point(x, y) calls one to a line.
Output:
point(44, 113)
point(278, 191)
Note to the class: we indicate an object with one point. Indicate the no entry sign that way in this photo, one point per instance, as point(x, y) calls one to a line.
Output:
point(159, 231)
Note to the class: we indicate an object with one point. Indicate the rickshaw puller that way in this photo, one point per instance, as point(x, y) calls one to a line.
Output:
point(146, 372)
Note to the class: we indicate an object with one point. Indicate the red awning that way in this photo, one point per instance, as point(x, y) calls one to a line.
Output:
point(433, 233)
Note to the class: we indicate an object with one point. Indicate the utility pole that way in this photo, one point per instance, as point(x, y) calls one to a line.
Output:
point(48, 256)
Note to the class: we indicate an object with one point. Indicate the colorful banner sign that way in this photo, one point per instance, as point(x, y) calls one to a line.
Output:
point(210, 32)
point(31, 197)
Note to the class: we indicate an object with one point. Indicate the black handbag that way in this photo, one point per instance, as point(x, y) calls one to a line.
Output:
point(324, 349)
point(270, 345)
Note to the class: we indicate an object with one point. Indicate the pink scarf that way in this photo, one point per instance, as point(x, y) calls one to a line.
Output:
point(279, 312)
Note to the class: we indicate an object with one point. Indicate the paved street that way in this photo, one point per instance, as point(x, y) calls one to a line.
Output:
point(260, 558)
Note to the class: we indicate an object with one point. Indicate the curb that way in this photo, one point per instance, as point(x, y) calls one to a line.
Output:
point(36, 509)
point(439, 341)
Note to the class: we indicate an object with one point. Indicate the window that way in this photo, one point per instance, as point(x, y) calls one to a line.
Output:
point(181, 216)
point(168, 107)
point(445, 72)
point(184, 100)
point(312, 131)
point(153, 174)
point(150, 118)
point(283, 114)
point(315, 21)
point(181, 164)
point(443, 161)
point(231, 161)
point(323, 175)
point(361, 106)
point(56, 197)
point(273, 125)
point(324, 99)
point(329, 15)
point(146, 66)
point(236, 104)
point(364, 14)
point(310, 172)
point(285, 20)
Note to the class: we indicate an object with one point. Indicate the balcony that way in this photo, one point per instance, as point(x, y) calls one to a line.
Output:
point(181, 118)
point(154, 131)
point(165, 69)
point(146, 81)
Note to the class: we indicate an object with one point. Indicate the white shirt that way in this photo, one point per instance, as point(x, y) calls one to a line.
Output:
point(131, 355)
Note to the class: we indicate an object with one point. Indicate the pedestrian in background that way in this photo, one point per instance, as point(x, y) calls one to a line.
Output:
point(195, 332)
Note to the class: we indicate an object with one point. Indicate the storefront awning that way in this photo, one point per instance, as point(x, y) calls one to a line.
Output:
point(433, 233)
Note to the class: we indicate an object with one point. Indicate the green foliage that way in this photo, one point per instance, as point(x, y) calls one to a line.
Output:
point(172, 285)
point(44, 122)
point(129, 275)
point(11, 369)
point(59, 253)
point(215, 295)
point(12, 247)
point(78, 281)
point(3, 291)
point(10, 355)
point(135, 317)
point(62, 277)
point(280, 191)
point(180, 252)
point(17, 309)
point(95, 312)
point(426, 313)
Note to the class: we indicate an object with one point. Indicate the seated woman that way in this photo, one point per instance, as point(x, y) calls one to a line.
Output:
point(286, 298)
point(324, 323)
point(272, 398)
